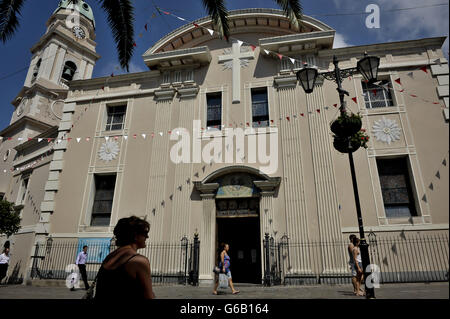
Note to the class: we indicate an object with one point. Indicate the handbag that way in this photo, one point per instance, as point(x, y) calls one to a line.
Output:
point(89, 295)
point(216, 270)
point(223, 281)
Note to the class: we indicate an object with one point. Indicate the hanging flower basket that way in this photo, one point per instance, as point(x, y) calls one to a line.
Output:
point(346, 125)
point(360, 139)
point(341, 144)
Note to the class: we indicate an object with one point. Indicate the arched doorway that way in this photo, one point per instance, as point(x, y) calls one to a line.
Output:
point(238, 224)
point(233, 201)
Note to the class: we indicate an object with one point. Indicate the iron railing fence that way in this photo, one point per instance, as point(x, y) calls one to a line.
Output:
point(398, 258)
point(171, 263)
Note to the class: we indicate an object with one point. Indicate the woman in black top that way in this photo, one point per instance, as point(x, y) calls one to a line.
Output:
point(124, 273)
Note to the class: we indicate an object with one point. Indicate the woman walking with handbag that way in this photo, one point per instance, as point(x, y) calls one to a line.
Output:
point(224, 266)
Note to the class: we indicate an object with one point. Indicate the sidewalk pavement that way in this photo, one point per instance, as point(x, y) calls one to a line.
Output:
point(386, 291)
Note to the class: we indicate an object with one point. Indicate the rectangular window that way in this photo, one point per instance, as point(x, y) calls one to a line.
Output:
point(214, 110)
point(103, 200)
point(260, 108)
point(23, 191)
point(396, 187)
point(116, 117)
point(377, 95)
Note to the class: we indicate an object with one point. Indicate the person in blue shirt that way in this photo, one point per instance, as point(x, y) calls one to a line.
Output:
point(81, 262)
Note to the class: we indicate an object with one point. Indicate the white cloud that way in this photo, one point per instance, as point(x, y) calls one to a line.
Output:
point(340, 41)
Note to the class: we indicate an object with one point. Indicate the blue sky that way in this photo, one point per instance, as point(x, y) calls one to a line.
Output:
point(351, 30)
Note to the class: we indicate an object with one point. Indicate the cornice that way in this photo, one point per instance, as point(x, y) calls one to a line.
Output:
point(23, 120)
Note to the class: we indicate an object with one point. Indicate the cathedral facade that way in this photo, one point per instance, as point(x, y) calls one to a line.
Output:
point(219, 139)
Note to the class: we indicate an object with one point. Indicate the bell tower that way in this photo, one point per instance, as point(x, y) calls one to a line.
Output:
point(64, 53)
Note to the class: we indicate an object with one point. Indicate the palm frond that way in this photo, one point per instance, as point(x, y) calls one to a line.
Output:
point(120, 15)
point(216, 9)
point(293, 10)
point(9, 22)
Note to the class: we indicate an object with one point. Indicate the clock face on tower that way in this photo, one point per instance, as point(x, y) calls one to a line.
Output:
point(78, 32)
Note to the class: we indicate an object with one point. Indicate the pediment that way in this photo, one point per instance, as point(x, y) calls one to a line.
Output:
point(261, 21)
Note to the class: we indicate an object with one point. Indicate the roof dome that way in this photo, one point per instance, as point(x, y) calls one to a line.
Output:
point(80, 5)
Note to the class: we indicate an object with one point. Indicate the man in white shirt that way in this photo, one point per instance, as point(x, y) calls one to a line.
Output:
point(81, 262)
point(4, 261)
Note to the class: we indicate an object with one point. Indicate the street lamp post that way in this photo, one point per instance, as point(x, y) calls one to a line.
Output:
point(368, 68)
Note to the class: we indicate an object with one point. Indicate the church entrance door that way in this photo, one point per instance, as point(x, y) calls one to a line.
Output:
point(238, 225)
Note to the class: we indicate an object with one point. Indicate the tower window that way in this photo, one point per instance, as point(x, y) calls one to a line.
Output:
point(36, 69)
point(69, 71)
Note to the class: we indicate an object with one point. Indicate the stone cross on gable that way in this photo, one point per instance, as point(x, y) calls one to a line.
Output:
point(234, 60)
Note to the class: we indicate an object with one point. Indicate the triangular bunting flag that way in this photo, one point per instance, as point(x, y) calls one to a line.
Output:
point(385, 261)
point(182, 19)
point(411, 220)
point(374, 91)
point(39, 140)
point(144, 136)
point(398, 81)
point(106, 138)
point(266, 52)
point(195, 25)
point(288, 118)
point(146, 27)
point(438, 175)
point(211, 32)
point(78, 139)
point(444, 162)
point(318, 111)
point(424, 69)
point(355, 100)
point(431, 186)
point(302, 114)
point(88, 139)
point(292, 60)
point(411, 75)
point(280, 56)
point(240, 42)
point(171, 197)
point(402, 234)
point(413, 95)
point(134, 44)
point(161, 133)
point(253, 47)
point(424, 198)
point(394, 248)
point(125, 137)
point(335, 105)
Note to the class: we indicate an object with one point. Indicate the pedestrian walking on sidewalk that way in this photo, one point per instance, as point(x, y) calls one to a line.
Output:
point(351, 261)
point(125, 274)
point(4, 262)
point(224, 267)
point(358, 267)
point(81, 262)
